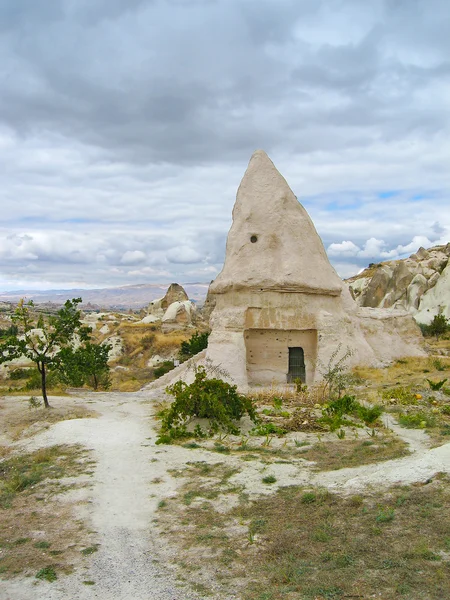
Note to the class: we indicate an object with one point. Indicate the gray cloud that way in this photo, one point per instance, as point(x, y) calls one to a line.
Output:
point(126, 125)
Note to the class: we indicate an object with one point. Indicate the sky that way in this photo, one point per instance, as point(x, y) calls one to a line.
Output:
point(127, 125)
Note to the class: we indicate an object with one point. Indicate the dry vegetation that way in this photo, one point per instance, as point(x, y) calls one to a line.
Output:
point(19, 419)
point(309, 543)
point(40, 534)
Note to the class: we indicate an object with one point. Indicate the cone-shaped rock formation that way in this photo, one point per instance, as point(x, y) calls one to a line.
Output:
point(273, 244)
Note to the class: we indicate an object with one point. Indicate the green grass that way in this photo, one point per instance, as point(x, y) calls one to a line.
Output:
point(89, 550)
point(47, 574)
point(269, 479)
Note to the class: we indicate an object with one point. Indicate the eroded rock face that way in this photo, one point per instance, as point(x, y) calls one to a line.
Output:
point(419, 284)
point(272, 243)
point(178, 315)
point(280, 308)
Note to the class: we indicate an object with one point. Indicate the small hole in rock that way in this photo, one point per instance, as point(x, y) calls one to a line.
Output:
point(253, 239)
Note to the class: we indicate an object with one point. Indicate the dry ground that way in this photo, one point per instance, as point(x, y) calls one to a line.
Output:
point(305, 515)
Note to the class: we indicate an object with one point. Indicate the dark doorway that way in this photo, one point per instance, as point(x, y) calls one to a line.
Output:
point(296, 365)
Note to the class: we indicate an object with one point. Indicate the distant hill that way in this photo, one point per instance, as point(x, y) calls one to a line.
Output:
point(128, 296)
point(420, 284)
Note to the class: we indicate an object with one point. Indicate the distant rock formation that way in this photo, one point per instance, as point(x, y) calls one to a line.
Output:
point(175, 293)
point(174, 310)
point(419, 284)
point(178, 315)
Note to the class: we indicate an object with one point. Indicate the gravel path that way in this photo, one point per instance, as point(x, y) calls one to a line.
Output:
point(120, 508)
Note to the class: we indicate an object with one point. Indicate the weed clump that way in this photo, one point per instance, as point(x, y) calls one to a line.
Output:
point(333, 413)
point(205, 398)
point(403, 395)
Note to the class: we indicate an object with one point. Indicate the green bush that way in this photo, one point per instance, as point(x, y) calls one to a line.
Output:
point(436, 385)
point(197, 343)
point(19, 374)
point(34, 381)
point(267, 429)
point(333, 413)
point(438, 326)
point(211, 399)
point(163, 368)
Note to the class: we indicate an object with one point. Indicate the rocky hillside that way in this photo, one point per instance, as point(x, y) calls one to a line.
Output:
point(419, 284)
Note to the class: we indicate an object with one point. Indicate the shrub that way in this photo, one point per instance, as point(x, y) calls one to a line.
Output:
point(333, 412)
point(147, 341)
point(19, 374)
point(267, 429)
point(211, 399)
point(197, 343)
point(438, 326)
point(163, 368)
point(269, 479)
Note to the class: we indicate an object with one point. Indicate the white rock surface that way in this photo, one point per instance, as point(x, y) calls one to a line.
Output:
point(420, 284)
point(117, 346)
point(435, 300)
point(149, 319)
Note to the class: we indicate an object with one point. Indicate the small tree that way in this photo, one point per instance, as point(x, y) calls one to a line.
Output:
point(43, 346)
point(438, 326)
point(87, 364)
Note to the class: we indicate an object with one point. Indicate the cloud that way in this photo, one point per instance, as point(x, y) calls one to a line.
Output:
point(126, 126)
point(133, 257)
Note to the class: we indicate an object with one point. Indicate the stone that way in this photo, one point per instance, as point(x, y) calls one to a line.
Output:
point(178, 315)
point(174, 293)
point(436, 299)
point(149, 319)
point(415, 290)
point(401, 283)
point(377, 287)
point(268, 225)
point(398, 284)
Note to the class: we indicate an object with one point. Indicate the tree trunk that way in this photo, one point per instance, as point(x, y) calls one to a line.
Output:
point(43, 384)
point(95, 382)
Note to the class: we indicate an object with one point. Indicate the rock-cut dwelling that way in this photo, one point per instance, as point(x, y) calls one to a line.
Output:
point(281, 310)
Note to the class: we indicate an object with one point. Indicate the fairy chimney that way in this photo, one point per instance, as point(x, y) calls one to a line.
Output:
point(281, 310)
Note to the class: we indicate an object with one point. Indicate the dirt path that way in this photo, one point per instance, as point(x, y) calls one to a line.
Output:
point(119, 508)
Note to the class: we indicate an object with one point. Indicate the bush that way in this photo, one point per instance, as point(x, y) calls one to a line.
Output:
point(19, 374)
point(438, 326)
point(147, 341)
point(333, 412)
point(197, 343)
point(205, 398)
point(163, 368)
point(34, 381)
point(267, 429)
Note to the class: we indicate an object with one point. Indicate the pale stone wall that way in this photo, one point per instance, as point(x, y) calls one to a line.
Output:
point(268, 354)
